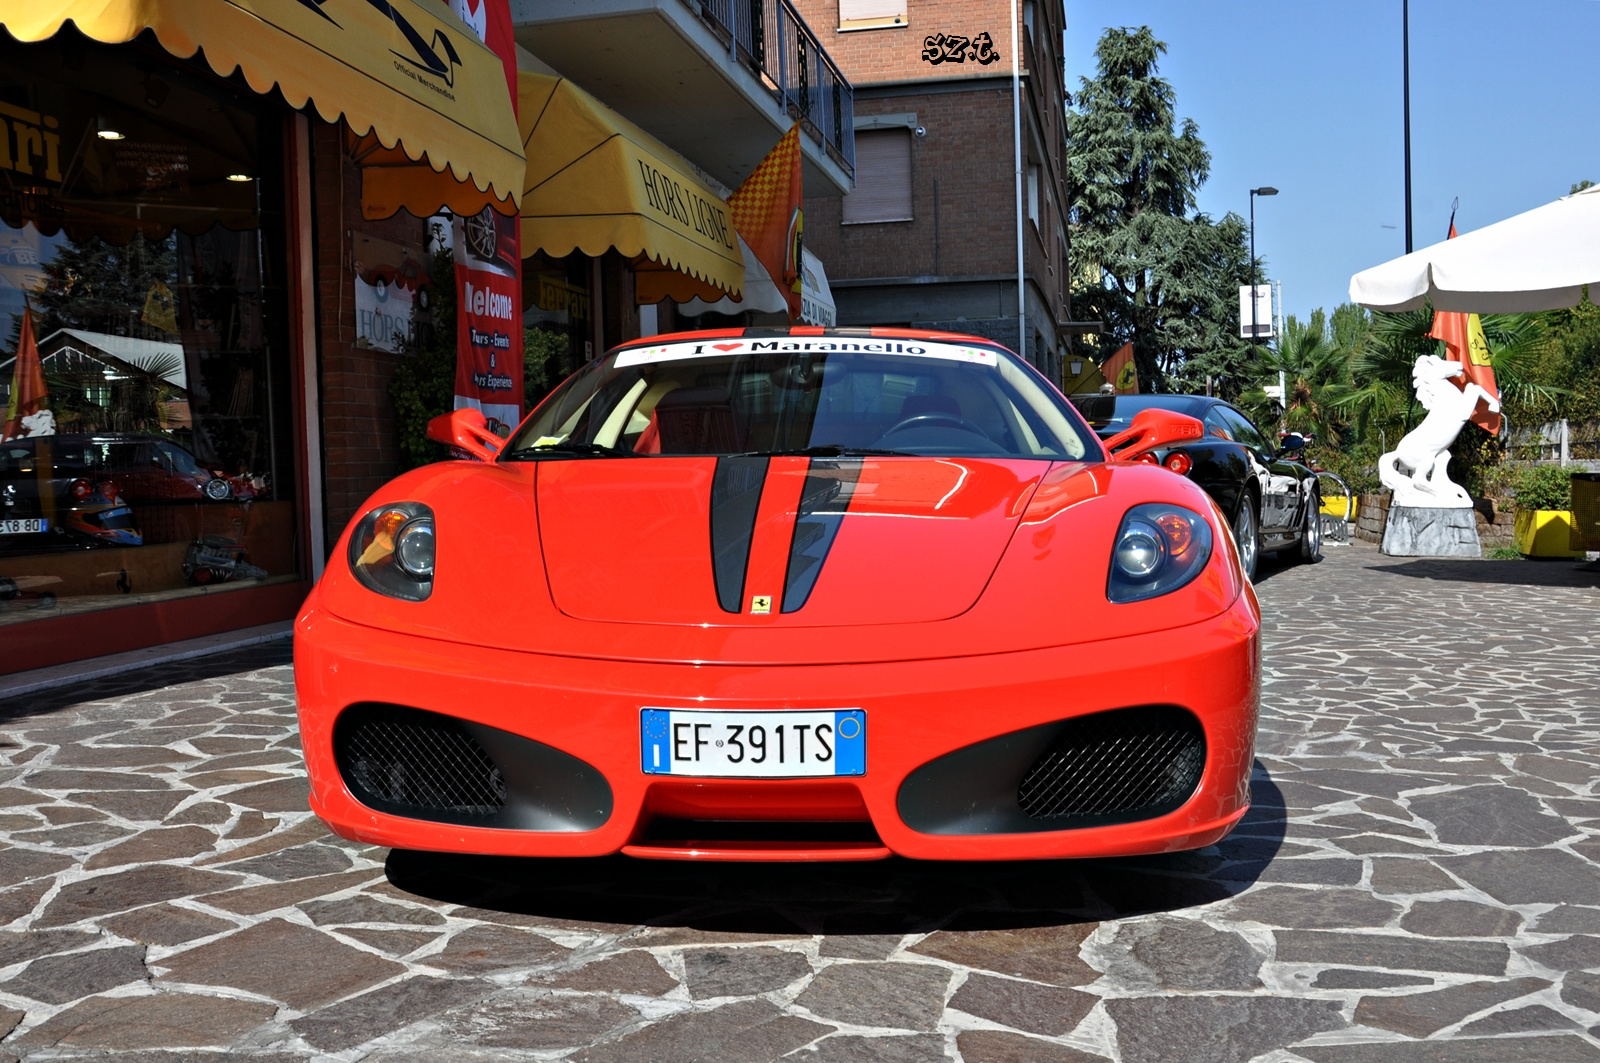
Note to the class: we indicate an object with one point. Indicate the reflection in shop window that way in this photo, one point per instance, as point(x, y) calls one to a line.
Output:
point(155, 460)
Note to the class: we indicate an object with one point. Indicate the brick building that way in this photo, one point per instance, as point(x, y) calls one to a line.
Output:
point(928, 235)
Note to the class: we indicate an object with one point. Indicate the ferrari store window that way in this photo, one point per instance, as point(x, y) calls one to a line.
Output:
point(146, 451)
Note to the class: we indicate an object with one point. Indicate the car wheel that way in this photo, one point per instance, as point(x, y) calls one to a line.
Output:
point(1311, 535)
point(1247, 536)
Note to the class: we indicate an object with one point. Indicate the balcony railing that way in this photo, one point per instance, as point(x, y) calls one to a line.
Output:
point(769, 38)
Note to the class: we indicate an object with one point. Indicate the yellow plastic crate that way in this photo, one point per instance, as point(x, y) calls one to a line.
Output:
point(1545, 533)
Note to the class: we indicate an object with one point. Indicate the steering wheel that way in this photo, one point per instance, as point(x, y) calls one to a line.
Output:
point(918, 419)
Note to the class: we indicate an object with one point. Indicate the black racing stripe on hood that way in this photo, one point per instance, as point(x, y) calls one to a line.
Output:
point(823, 501)
point(735, 497)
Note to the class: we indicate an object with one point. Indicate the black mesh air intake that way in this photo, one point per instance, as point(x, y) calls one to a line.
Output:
point(1143, 761)
point(417, 763)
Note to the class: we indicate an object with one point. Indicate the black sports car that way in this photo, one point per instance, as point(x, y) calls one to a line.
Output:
point(1272, 503)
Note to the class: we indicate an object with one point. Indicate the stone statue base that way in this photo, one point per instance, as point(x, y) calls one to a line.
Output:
point(1413, 531)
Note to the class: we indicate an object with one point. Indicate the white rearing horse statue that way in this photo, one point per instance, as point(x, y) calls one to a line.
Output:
point(1425, 449)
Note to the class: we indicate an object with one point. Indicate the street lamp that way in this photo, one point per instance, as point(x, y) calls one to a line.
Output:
point(1255, 326)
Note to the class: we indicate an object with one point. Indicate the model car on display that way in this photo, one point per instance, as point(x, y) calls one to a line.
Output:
point(155, 469)
point(1272, 502)
point(791, 594)
point(55, 494)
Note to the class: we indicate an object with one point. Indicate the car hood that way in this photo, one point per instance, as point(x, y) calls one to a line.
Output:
point(786, 541)
point(661, 559)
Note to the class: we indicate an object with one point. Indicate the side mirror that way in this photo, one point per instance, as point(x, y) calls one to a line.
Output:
point(1152, 429)
point(1292, 441)
point(466, 430)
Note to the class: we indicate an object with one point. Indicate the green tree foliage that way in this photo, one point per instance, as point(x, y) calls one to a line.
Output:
point(95, 285)
point(424, 384)
point(1571, 362)
point(1156, 272)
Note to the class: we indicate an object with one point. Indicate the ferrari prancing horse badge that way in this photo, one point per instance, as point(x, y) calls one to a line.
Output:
point(760, 603)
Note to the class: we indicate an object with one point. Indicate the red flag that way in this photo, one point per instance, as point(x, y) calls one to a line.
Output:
point(1463, 336)
point(28, 393)
point(1120, 371)
point(765, 210)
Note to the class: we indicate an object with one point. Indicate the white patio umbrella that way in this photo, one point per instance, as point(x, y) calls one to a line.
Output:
point(1538, 260)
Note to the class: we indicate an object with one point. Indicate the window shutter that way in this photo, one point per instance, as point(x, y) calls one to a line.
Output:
point(871, 14)
point(883, 178)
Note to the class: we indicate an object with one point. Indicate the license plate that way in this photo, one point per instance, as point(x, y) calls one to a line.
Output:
point(753, 745)
point(24, 527)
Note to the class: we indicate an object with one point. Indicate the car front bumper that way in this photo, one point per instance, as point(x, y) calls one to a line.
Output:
point(916, 711)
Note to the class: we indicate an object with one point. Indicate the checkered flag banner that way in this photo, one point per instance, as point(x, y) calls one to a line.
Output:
point(766, 212)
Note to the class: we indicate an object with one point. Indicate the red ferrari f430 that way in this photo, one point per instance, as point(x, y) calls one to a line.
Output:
point(787, 594)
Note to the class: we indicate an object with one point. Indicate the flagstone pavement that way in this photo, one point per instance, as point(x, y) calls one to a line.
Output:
point(1417, 881)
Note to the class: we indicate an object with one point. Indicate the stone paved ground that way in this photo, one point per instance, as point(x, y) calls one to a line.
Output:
point(1417, 881)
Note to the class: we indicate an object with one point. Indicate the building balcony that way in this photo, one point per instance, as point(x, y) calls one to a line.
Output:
point(719, 81)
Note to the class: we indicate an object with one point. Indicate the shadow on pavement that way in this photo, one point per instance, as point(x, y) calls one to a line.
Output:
point(889, 897)
point(1552, 573)
point(150, 677)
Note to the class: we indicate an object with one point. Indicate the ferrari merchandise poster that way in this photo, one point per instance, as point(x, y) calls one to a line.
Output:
point(1120, 371)
point(1463, 335)
point(765, 210)
point(488, 258)
point(383, 314)
point(488, 323)
point(27, 414)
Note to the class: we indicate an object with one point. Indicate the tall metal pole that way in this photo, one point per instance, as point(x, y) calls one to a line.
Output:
point(1255, 327)
point(1016, 132)
point(1405, 74)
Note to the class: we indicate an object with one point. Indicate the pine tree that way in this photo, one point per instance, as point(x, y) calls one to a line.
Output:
point(99, 286)
point(1153, 269)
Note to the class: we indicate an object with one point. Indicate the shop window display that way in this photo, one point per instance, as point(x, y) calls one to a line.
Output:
point(146, 451)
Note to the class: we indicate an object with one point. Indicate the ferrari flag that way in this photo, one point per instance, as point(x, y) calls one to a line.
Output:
point(765, 210)
point(1120, 371)
point(26, 413)
point(1463, 335)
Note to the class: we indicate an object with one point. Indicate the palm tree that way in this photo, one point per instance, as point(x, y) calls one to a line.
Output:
point(1316, 375)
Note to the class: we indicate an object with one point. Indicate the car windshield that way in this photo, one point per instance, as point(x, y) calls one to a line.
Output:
point(811, 395)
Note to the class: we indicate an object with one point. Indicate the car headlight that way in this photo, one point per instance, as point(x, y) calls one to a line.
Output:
point(392, 550)
point(1158, 549)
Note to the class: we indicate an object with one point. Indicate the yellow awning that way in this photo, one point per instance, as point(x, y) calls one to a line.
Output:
point(597, 181)
point(410, 75)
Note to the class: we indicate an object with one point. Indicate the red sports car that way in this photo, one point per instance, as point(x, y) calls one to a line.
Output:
point(794, 594)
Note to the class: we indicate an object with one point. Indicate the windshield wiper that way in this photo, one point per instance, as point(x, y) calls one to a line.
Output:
point(571, 449)
point(832, 450)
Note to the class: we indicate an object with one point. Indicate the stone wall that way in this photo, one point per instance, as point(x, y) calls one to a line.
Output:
point(1372, 513)
point(1496, 522)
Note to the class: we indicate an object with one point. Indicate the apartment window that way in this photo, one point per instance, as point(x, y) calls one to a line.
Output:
point(871, 14)
point(1027, 16)
point(1033, 194)
point(883, 178)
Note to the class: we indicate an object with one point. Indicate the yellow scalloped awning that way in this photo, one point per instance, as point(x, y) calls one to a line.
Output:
point(596, 181)
point(408, 75)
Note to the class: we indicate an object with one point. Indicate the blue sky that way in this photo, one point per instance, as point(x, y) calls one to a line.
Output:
point(1305, 96)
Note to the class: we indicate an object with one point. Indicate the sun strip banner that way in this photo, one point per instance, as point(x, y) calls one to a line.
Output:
point(488, 256)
